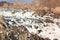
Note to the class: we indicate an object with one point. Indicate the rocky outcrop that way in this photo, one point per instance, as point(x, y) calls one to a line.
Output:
point(4, 3)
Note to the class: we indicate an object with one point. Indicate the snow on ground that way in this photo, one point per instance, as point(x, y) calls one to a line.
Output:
point(35, 25)
point(51, 31)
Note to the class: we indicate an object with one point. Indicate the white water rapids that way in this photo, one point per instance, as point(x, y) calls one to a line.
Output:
point(34, 24)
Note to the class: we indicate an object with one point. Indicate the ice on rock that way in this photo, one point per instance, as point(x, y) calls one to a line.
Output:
point(28, 14)
point(8, 13)
point(32, 30)
point(19, 14)
point(10, 23)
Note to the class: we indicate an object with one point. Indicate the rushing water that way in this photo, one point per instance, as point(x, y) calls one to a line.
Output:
point(33, 23)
